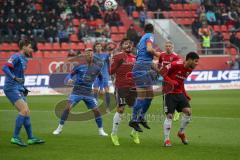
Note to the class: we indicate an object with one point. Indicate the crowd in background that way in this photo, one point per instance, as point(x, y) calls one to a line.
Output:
point(51, 20)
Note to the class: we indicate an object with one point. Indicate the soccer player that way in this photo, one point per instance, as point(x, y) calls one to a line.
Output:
point(178, 99)
point(125, 91)
point(16, 92)
point(143, 79)
point(99, 85)
point(85, 75)
point(166, 58)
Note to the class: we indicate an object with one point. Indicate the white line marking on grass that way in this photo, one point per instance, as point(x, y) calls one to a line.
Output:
point(127, 114)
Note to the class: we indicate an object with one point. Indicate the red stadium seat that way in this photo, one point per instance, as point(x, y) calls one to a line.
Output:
point(114, 29)
point(76, 22)
point(88, 45)
point(150, 15)
point(188, 14)
point(5, 47)
point(226, 36)
point(4, 55)
point(135, 14)
point(187, 7)
point(117, 37)
point(38, 7)
point(122, 29)
point(81, 46)
point(216, 28)
point(37, 54)
point(74, 38)
point(56, 46)
point(230, 27)
point(100, 22)
point(48, 46)
point(14, 46)
point(65, 46)
point(224, 28)
point(40, 46)
point(194, 6)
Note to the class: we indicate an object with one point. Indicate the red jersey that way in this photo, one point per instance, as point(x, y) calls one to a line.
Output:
point(121, 70)
point(166, 58)
point(176, 71)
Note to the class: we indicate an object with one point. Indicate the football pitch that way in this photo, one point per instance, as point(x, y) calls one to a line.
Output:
point(214, 133)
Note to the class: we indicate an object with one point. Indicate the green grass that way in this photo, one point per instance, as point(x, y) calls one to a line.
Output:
point(214, 133)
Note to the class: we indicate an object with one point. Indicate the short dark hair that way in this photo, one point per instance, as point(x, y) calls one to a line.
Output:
point(97, 43)
point(123, 40)
point(192, 56)
point(23, 43)
point(148, 28)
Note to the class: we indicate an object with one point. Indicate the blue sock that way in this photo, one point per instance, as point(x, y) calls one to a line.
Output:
point(64, 116)
point(99, 121)
point(18, 125)
point(146, 105)
point(107, 98)
point(95, 95)
point(137, 109)
point(28, 127)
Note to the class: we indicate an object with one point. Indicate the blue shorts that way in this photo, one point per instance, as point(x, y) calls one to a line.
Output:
point(101, 84)
point(14, 95)
point(90, 101)
point(142, 74)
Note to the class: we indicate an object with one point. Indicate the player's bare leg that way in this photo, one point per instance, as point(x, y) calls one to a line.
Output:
point(186, 118)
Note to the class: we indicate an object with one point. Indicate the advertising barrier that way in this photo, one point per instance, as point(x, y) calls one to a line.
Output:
point(40, 84)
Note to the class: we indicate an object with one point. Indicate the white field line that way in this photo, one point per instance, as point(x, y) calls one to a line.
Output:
point(128, 115)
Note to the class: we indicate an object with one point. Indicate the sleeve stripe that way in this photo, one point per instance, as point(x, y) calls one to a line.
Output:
point(9, 65)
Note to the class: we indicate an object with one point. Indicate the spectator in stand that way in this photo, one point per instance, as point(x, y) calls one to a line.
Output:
point(139, 5)
point(235, 40)
point(142, 17)
point(206, 42)
point(63, 35)
point(130, 6)
point(70, 28)
point(82, 31)
point(211, 18)
point(112, 18)
point(217, 43)
point(152, 5)
point(205, 29)
point(132, 34)
point(94, 11)
point(51, 34)
point(195, 27)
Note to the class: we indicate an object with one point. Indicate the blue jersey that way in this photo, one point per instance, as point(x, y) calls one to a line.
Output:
point(85, 75)
point(17, 63)
point(105, 58)
point(142, 54)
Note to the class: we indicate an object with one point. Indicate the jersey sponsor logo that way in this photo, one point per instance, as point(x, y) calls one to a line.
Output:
point(214, 76)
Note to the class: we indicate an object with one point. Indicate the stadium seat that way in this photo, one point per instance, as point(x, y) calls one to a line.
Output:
point(100, 22)
point(38, 7)
point(76, 22)
point(216, 28)
point(177, 14)
point(88, 45)
point(65, 46)
point(56, 46)
point(194, 6)
point(226, 36)
point(40, 46)
point(74, 38)
point(114, 29)
point(187, 7)
point(230, 27)
point(135, 14)
point(48, 46)
point(14, 46)
point(37, 54)
point(117, 37)
point(81, 46)
point(150, 15)
point(4, 55)
point(224, 28)
point(5, 47)
point(64, 53)
point(122, 29)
